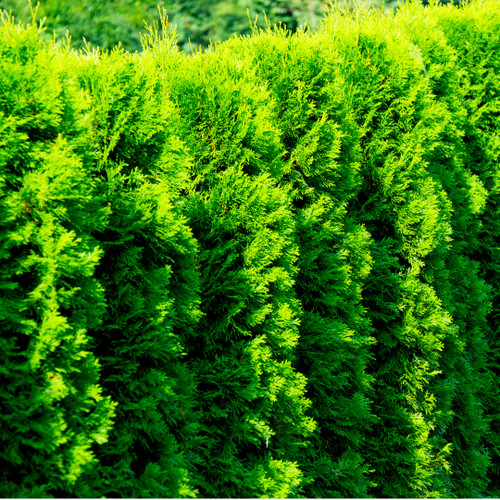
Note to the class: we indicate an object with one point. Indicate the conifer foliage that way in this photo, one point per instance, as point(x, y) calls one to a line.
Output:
point(270, 269)
point(406, 213)
point(53, 406)
point(322, 170)
point(473, 33)
point(149, 280)
point(461, 386)
point(251, 398)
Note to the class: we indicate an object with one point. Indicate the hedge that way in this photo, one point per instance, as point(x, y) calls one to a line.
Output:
point(269, 269)
point(149, 278)
point(53, 406)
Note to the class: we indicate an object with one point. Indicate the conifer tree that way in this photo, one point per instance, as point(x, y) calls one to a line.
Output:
point(149, 279)
point(322, 169)
point(53, 406)
point(473, 31)
point(462, 384)
point(251, 399)
point(407, 213)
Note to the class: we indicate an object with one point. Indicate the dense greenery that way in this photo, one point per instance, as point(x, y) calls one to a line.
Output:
point(270, 269)
point(53, 406)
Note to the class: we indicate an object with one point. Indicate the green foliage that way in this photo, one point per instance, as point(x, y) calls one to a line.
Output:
point(196, 23)
point(148, 274)
point(407, 212)
point(53, 407)
point(250, 397)
point(104, 24)
point(462, 384)
point(322, 171)
point(269, 269)
point(474, 33)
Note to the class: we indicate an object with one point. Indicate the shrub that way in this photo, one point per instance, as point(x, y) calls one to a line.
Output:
point(322, 171)
point(251, 399)
point(473, 32)
point(149, 278)
point(407, 213)
point(53, 406)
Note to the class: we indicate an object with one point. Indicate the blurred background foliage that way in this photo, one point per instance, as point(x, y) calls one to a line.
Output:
point(106, 23)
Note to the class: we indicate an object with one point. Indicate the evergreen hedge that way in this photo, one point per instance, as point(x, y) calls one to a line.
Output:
point(53, 406)
point(147, 271)
point(251, 399)
point(270, 269)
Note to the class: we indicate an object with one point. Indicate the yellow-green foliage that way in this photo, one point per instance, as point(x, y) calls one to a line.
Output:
point(265, 270)
point(53, 408)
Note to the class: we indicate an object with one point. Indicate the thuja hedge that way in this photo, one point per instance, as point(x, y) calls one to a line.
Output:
point(266, 270)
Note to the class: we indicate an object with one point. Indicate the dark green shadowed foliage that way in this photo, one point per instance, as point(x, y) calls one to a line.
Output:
point(407, 212)
point(53, 409)
point(462, 384)
point(474, 33)
point(322, 170)
point(250, 396)
point(149, 278)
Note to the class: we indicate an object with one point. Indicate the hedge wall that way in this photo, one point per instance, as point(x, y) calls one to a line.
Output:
point(53, 407)
point(270, 269)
